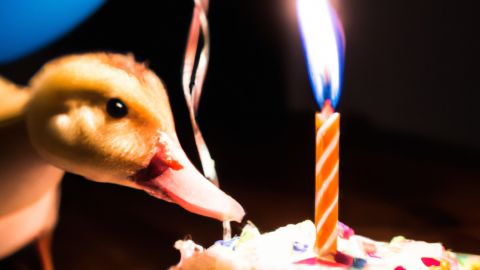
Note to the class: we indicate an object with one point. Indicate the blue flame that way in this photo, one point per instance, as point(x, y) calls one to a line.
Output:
point(340, 38)
point(324, 45)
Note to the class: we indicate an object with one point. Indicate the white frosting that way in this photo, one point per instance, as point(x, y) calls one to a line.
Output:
point(286, 246)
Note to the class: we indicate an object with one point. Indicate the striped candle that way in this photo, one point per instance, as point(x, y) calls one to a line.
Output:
point(324, 43)
point(327, 125)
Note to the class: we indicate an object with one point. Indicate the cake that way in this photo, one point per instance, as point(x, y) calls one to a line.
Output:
point(291, 247)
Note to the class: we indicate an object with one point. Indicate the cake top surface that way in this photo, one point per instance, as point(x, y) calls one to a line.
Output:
point(291, 247)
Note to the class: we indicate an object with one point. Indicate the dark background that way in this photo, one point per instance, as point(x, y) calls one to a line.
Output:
point(409, 145)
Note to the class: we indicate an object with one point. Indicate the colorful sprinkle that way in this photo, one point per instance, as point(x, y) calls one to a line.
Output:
point(370, 249)
point(430, 261)
point(249, 232)
point(399, 268)
point(359, 263)
point(444, 265)
point(299, 247)
point(317, 261)
point(344, 231)
point(373, 255)
point(343, 258)
point(309, 261)
point(228, 243)
point(397, 239)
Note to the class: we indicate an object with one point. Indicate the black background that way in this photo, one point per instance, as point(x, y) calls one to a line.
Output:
point(409, 146)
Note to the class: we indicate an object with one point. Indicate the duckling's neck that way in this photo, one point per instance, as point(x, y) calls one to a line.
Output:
point(24, 177)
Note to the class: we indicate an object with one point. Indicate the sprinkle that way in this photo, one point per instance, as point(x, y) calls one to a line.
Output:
point(318, 261)
point(399, 268)
point(397, 239)
point(299, 247)
point(373, 255)
point(249, 232)
point(308, 261)
point(228, 243)
point(462, 259)
point(445, 265)
point(359, 263)
point(430, 262)
point(344, 231)
point(370, 249)
point(343, 258)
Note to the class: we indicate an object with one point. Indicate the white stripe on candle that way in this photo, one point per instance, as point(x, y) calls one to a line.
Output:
point(327, 212)
point(326, 183)
point(323, 128)
point(330, 240)
point(330, 148)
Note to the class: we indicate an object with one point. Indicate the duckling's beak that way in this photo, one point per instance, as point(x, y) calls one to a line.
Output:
point(172, 177)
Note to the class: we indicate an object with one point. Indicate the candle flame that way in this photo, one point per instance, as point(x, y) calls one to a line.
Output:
point(323, 43)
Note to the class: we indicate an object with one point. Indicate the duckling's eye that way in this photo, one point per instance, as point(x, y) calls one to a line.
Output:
point(116, 108)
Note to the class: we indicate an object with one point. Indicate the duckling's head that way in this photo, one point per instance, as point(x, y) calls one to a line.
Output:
point(107, 118)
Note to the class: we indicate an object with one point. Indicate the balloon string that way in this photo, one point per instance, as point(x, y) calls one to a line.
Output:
point(193, 78)
point(192, 81)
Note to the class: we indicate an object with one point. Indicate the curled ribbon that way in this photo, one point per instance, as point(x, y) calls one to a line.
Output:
point(192, 82)
point(193, 78)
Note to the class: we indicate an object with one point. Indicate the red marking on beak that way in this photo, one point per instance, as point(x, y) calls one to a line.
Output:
point(172, 177)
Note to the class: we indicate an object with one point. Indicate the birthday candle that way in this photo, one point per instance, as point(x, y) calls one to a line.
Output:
point(327, 125)
point(323, 44)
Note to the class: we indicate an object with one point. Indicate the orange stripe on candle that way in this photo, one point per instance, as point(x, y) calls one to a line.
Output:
point(326, 182)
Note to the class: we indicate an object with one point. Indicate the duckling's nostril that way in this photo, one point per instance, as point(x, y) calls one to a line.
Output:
point(116, 108)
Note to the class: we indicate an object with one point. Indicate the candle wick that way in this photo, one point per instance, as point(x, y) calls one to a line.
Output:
point(327, 109)
point(327, 86)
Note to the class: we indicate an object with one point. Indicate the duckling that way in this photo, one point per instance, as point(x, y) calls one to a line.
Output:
point(102, 116)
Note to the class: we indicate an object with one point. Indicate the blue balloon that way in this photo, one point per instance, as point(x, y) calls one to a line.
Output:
point(28, 25)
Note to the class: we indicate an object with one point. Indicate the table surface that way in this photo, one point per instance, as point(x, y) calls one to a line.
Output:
point(390, 185)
